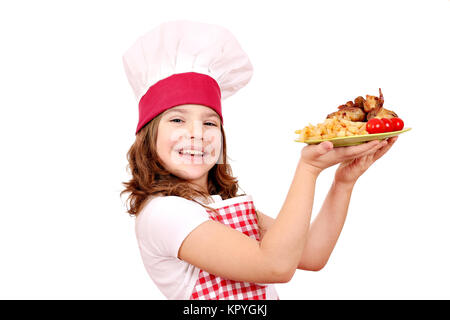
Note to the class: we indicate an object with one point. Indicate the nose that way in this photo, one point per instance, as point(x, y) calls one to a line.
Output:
point(196, 130)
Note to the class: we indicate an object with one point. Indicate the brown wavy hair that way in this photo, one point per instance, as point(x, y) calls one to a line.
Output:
point(150, 178)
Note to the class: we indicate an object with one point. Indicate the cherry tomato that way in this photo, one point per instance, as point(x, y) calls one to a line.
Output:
point(388, 125)
point(397, 124)
point(375, 125)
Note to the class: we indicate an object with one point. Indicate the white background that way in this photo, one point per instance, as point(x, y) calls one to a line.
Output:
point(68, 117)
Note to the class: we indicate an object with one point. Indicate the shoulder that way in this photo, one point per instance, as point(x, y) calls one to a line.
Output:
point(159, 204)
point(163, 210)
point(165, 221)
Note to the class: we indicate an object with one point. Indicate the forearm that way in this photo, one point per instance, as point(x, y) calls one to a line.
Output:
point(285, 240)
point(326, 227)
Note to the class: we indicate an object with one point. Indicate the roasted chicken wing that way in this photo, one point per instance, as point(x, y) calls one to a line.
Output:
point(349, 113)
point(373, 103)
point(363, 109)
point(381, 113)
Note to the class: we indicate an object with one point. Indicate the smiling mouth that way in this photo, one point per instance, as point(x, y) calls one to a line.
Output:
point(192, 153)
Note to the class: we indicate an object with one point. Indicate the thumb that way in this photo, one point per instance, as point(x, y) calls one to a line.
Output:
point(324, 147)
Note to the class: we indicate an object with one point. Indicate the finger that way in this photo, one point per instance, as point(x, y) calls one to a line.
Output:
point(356, 151)
point(385, 149)
point(374, 149)
point(324, 147)
point(368, 155)
point(364, 161)
point(393, 139)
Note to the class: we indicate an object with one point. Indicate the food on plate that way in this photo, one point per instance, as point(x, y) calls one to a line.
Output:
point(381, 113)
point(332, 128)
point(358, 117)
point(350, 113)
point(375, 125)
point(387, 124)
point(397, 124)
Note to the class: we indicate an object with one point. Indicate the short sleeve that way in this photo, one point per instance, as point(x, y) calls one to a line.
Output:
point(165, 222)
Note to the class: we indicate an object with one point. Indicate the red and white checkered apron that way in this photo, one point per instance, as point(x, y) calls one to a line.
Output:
point(242, 217)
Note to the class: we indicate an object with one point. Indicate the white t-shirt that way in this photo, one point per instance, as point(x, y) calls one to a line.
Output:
point(161, 228)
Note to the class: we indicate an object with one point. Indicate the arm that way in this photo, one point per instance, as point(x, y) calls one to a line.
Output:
point(225, 252)
point(324, 231)
point(326, 227)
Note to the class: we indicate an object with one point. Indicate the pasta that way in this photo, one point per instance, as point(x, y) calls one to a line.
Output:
point(331, 128)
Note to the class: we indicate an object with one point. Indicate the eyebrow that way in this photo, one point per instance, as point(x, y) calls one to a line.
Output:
point(208, 113)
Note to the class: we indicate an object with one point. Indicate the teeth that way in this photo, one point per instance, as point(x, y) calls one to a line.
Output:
point(192, 152)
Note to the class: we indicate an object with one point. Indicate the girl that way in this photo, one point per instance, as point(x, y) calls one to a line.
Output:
point(199, 238)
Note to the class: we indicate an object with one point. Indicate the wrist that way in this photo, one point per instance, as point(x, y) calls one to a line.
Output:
point(308, 169)
point(344, 185)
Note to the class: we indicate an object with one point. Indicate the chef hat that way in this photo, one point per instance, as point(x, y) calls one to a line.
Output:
point(185, 62)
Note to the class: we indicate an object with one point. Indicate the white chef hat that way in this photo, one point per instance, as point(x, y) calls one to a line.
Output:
point(185, 62)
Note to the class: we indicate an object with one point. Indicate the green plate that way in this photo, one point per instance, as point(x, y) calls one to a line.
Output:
point(355, 140)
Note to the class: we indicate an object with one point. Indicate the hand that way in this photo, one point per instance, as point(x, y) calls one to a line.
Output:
point(349, 171)
point(319, 157)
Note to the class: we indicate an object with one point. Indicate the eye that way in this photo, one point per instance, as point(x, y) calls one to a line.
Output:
point(211, 124)
point(176, 120)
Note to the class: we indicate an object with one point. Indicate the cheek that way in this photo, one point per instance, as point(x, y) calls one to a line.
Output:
point(213, 139)
point(167, 142)
point(163, 144)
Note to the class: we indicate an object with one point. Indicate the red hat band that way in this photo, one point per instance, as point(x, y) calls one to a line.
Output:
point(178, 89)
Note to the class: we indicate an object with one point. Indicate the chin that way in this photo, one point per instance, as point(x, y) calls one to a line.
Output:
point(190, 173)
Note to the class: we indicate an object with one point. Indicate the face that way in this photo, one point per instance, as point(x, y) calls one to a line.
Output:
point(189, 142)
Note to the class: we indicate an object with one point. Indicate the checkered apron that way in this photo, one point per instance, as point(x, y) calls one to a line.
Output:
point(241, 216)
